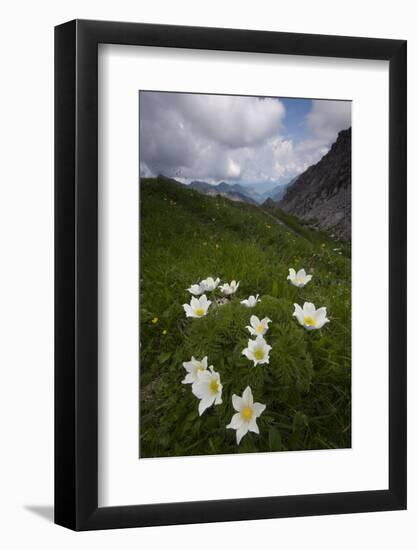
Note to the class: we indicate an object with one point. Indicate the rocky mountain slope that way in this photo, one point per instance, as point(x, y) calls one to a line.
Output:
point(322, 194)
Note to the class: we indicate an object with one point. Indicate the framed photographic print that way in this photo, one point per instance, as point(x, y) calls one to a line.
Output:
point(230, 275)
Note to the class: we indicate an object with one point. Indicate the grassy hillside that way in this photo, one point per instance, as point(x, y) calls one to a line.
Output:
point(186, 237)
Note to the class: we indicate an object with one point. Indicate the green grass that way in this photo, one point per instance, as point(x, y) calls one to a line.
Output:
point(303, 228)
point(185, 237)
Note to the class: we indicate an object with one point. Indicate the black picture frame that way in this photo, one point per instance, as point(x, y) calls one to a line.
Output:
point(76, 272)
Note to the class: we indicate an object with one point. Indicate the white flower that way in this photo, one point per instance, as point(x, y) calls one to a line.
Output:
point(257, 351)
point(299, 279)
point(251, 301)
point(229, 289)
point(198, 307)
point(194, 368)
point(244, 420)
point(206, 285)
point(196, 290)
point(208, 389)
point(310, 317)
point(209, 284)
point(258, 327)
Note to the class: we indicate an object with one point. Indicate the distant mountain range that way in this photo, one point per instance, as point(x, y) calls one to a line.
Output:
point(322, 194)
point(235, 191)
point(238, 192)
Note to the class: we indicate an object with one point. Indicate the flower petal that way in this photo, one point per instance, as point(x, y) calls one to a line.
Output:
point(237, 402)
point(298, 313)
point(321, 313)
point(195, 302)
point(189, 312)
point(247, 396)
point(189, 379)
point(254, 321)
point(218, 400)
point(205, 403)
point(252, 344)
point(236, 422)
point(258, 409)
point(189, 365)
point(253, 426)
point(321, 322)
point(248, 353)
point(309, 309)
point(242, 431)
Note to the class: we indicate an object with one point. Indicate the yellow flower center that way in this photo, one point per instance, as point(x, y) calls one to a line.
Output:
point(309, 321)
point(259, 354)
point(260, 328)
point(199, 311)
point(199, 369)
point(214, 386)
point(246, 413)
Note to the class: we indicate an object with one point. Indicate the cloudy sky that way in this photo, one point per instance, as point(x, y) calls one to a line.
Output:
point(234, 138)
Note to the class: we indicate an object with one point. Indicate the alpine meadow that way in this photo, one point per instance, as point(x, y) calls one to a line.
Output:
point(245, 275)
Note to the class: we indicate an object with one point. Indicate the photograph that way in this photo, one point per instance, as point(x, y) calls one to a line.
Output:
point(245, 274)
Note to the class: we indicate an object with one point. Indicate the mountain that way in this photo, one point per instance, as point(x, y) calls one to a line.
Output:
point(161, 177)
point(200, 186)
point(253, 191)
point(237, 191)
point(322, 194)
point(276, 193)
point(234, 192)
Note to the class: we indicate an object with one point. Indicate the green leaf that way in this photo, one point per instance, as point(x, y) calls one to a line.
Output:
point(274, 438)
point(300, 422)
point(164, 356)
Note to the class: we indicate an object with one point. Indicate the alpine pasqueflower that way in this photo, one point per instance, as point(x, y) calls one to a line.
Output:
point(244, 420)
point(197, 307)
point(258, 326)
point(194, 368)
point(299, 279)
point(257, 351)
point(251, 301)
point(229, 289)
point(208, 389)
point(309, 317)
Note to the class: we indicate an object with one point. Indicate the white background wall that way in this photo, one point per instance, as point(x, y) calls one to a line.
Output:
point(26, 272)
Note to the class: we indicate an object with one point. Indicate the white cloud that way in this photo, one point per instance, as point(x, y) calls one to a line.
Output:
point(233, 121)
point(235, 138)
point(327, 118)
